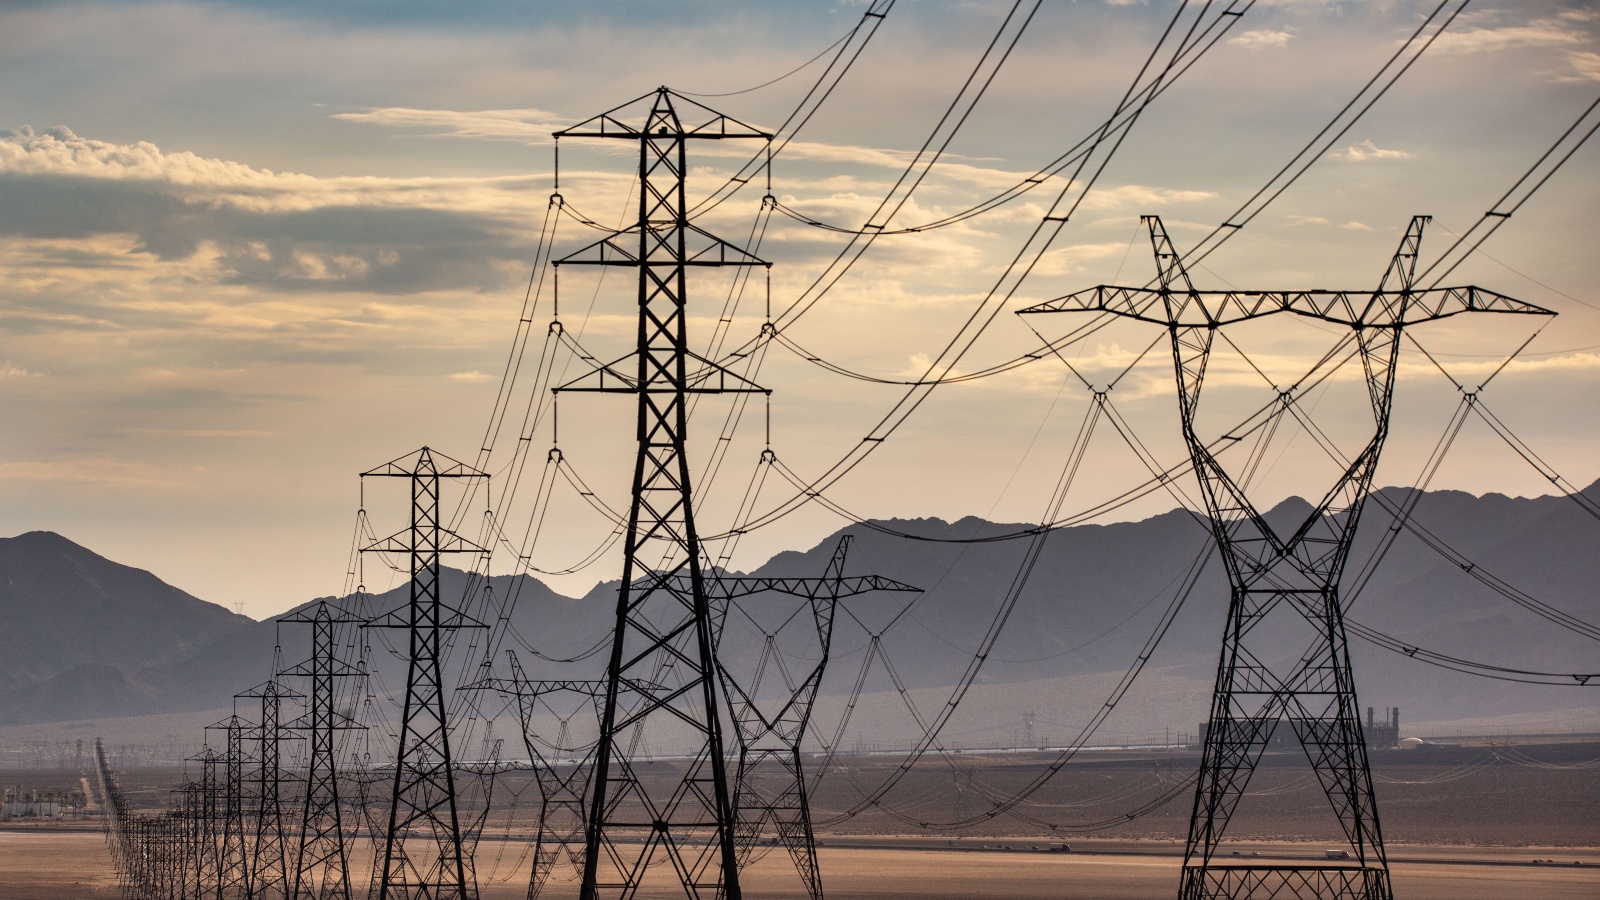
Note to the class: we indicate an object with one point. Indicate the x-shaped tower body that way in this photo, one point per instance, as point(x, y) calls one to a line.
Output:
point(563, 785)
point(1273, 577)
point(771, 723)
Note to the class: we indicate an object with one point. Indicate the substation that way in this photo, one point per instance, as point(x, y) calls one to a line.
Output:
point(399, 744)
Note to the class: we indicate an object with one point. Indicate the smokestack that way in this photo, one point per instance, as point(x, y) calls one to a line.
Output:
point(1372, 720)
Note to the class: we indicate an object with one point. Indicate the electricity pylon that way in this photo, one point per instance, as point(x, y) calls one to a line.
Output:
point(267, 876)
point(232, 854)
point(422, 853)
point(563, 783)
point(1296, 578)
point(662, 667)
point(770, 723)
point(207, 832)
point(321, 862)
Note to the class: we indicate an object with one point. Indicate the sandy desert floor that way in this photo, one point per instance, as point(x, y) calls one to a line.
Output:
point(61, 864)
point(1463, 823)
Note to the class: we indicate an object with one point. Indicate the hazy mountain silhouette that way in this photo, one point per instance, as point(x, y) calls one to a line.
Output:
point(84, 637)
point(73, 624)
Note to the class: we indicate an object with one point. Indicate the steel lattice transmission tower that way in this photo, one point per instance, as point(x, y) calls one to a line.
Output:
point(321, 860)
point(771, 724)
point(662, 666)
point(205, 866)
point(1295, 578)
point(563, 785)
point(268, 874)
point(422, 854)
point(232, 854)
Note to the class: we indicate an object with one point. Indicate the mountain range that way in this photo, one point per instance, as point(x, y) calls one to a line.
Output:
point(84, 638)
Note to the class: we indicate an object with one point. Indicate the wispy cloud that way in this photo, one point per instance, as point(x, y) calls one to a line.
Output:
point(91, 471)
point(1366, 151)
point(1351, 225)
point(1536, 34)
point(1585, 65)
point(531, 126)
point(276, 230)
point(1262, 39)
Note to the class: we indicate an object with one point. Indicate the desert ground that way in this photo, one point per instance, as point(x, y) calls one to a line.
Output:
point(1462, 822)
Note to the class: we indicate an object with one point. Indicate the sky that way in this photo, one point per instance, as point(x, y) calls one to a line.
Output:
point(250, 250)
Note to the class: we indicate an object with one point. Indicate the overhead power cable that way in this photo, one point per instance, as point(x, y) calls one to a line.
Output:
point(769, 83)
point(1195, 46)
point(1542, 170)
point(1275, 186)
point(1374, 90)
point(995, 299)
point(849, 51)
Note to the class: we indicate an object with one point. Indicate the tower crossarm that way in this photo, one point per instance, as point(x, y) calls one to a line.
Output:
point(614, 123)
point(1356, 309)
point(701, 248)
point(811, 588)
point(706, 378)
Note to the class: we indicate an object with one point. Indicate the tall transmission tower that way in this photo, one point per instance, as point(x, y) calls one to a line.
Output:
point(191, 832)
point(422, 852)
point(770, 723)
point(662, 667)
point(1295, 578)
point(563, 784)
point(321, 860)
point(207, 832)
point(267, 876)
point(232, 853)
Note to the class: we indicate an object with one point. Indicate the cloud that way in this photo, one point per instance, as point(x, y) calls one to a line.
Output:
point(1142, 196)
point(1586, 64)
point(531, 126)
point(1262, 39)
point(276, 230)
point(472, 377)
point(10, 371)
point(1537, 34)
point(1351, 225)
point(1367, 151)
point(202, 432)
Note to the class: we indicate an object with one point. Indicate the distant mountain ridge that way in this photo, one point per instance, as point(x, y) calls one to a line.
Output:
point(75, 623)
point(82, 637)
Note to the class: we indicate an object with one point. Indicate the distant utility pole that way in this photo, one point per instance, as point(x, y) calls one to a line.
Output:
point(422, 854)
point(1259, 681)
point(662, 667)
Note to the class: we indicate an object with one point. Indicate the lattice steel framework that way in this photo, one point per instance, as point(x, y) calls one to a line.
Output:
point(661, 666)
point(422, 855)
point(321, 860)
point(267, 876)
point(1273, 578)
point(232, 874)
point(563, 783)
point(771, 724)
point(207, 831)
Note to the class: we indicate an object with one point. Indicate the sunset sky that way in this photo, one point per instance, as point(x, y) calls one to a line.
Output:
point(249, 250)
